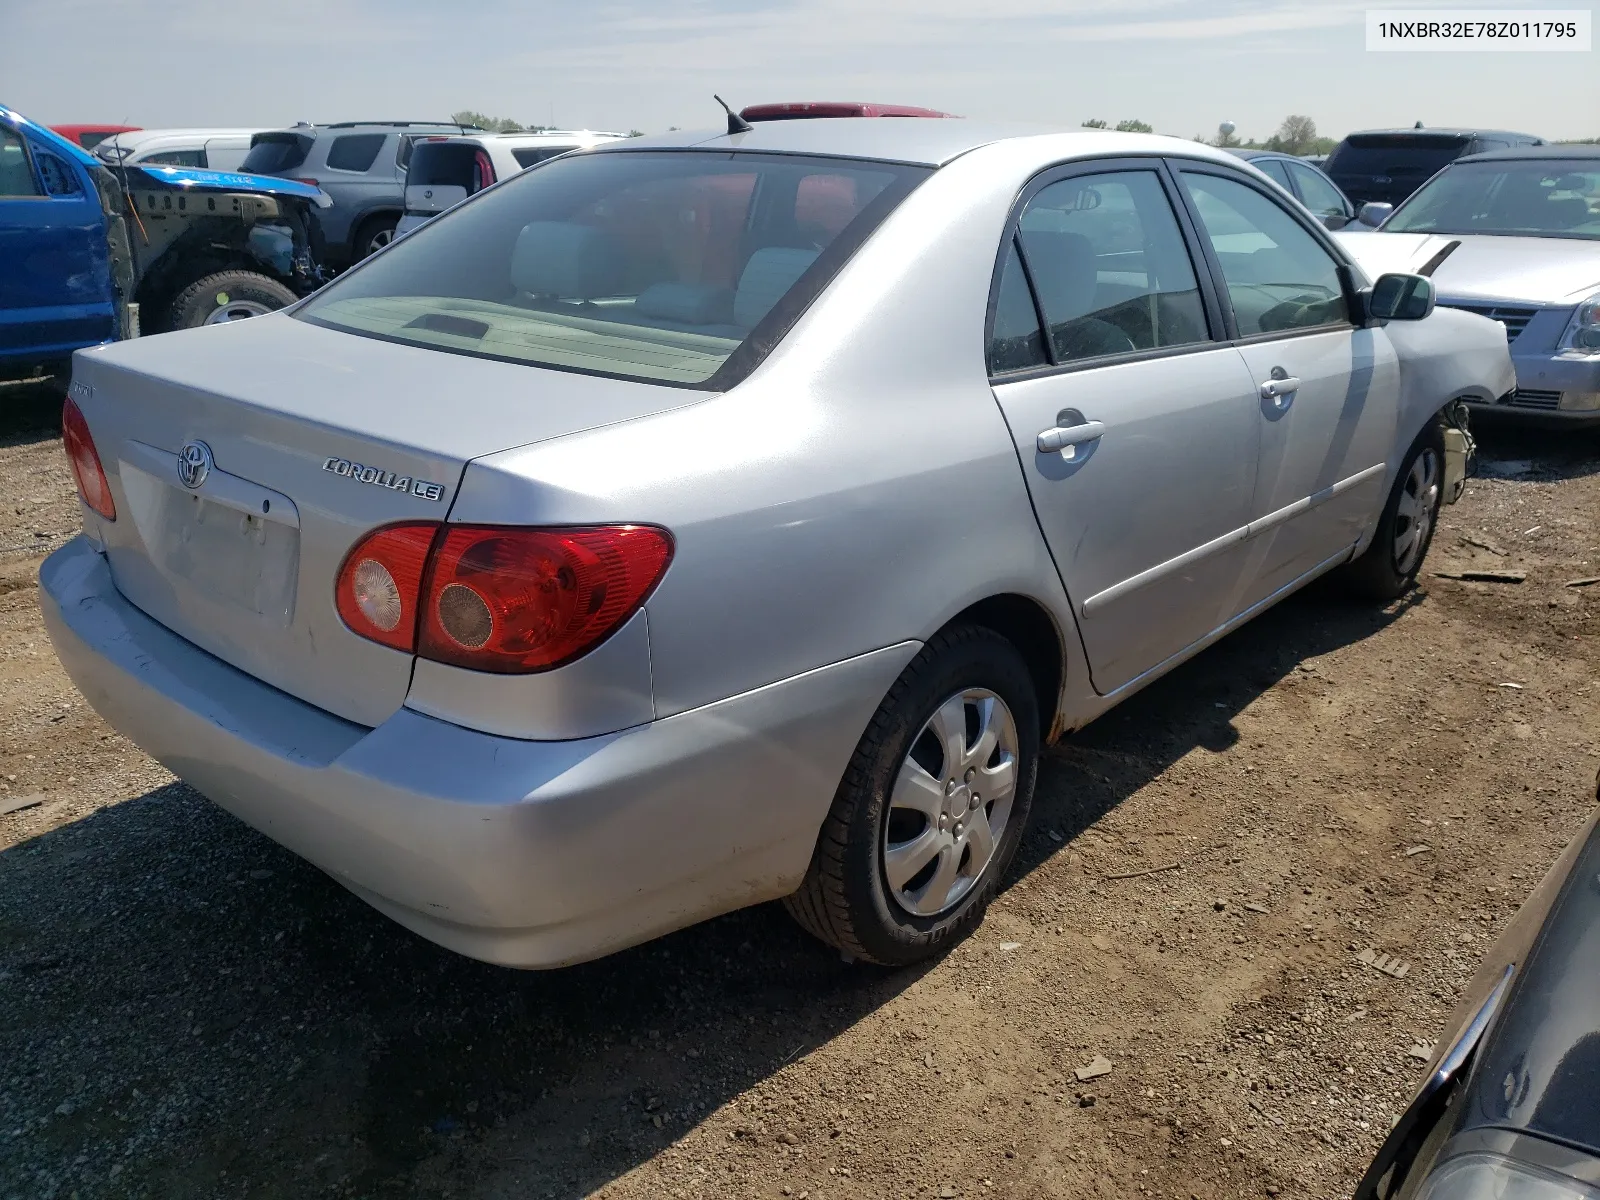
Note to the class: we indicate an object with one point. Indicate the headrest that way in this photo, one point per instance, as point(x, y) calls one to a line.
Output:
point(561, 258)
point(767, 276)
point(686, 303)
point(1063, 270)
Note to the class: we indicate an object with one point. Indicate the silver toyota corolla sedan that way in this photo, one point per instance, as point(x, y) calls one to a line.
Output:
point(1514, 235)
point(702, 520)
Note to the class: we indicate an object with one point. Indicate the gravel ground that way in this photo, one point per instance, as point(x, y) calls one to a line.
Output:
point(190, 1011)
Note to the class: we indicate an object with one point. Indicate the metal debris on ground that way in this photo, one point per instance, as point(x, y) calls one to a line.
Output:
point(1252, 906)
point(1389, 965)
point(1469, 540)
point(1422, 1051)
point(1516, 686)
point(1098, 1066)
point(1010, 945)
point(1413, 851)
point(1483, 576)
point(1586, 581)
point(21, 802)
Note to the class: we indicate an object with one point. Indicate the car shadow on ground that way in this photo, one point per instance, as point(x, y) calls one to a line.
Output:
point(29, 412)
point(1514, 450)
point(208, 1012)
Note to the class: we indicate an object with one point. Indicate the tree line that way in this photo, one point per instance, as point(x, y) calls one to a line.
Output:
point(1297, 135)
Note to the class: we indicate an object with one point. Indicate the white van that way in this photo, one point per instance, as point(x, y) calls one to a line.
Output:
point(445, 170)
point(210, 149)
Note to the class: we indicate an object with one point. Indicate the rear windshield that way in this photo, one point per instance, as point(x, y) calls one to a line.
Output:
point(1416, 155)
point(1535, 197)
point(680, 268)
point(271, 153)
point(442, 164)
point(526, 156)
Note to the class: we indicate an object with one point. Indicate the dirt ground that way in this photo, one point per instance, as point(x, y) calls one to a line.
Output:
point(188, 1011)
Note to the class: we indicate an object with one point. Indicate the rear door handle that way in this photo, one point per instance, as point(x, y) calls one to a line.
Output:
point(1059, 437)
point(1274, 389)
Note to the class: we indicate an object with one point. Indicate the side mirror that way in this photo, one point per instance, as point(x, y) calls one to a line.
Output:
point(1335, 221)
point(1373, 214)
point(1397, 297)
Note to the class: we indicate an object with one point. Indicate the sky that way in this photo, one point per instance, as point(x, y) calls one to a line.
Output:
point(1179, 65)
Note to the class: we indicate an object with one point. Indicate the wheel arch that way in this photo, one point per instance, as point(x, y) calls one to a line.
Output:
point(1028, 626)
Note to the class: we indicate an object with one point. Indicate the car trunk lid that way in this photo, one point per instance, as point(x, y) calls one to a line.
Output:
point(304, 440)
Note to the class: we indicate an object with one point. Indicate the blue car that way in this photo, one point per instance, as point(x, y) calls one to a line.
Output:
point(91, 253)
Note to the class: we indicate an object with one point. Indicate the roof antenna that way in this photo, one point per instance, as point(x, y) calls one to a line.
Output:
point(1418, 125)
point(736, 123)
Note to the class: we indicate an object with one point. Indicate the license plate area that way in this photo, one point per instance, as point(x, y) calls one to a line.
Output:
point(239, 557)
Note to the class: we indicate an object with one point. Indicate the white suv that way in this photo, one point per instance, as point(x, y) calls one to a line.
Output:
point(212, 149)
point(445, 170)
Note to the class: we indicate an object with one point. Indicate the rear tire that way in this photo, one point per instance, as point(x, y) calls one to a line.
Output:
point(228, 296)
point(373, 235)
point(1389, 567)
point(912, 851)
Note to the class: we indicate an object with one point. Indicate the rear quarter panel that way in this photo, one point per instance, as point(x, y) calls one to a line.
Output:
point(857, 491)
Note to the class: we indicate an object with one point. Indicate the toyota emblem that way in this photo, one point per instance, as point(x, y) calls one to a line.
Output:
point(194, 464)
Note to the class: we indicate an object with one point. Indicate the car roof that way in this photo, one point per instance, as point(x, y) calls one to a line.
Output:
point(1577, 152)
point(908, 139)
point(141, 136)
point(532, 138)
point(1449, 132)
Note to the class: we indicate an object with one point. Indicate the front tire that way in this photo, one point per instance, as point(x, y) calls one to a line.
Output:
point(932, 805)
point(1389, 567)
point(228, 296)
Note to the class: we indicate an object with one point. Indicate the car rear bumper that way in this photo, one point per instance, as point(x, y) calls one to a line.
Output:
point(529, 854)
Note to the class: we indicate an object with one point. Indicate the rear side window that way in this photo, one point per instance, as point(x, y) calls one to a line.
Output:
point(441, 164)
point(1109, 267)
point(59, 179)
point(1273, 169)
point(16, 175)
point(1278, 276)
point(272, 153)
point(1016, 341)
point(177, 158)
point(355, 151)
point(681, 268)
point(526, 156)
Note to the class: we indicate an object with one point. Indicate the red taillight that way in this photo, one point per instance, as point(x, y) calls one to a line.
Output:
point(521, 600)
point(85, 460)
point(493, 598)
point(381, 581)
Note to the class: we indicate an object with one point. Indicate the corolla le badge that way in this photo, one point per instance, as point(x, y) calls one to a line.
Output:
point(386, 479)
point(194, 464)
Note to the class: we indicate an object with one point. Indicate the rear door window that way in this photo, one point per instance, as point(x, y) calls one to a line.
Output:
point(16, 173)
point(59, 178)
point(682, 267)
point(355, 151)
point(1109, 267)
point(1278, 276)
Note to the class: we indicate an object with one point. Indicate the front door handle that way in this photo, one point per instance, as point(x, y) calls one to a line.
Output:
point(1059, 437)
point(1276, 389)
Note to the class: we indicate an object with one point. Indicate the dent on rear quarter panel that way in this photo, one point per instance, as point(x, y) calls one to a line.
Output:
point(857, 491)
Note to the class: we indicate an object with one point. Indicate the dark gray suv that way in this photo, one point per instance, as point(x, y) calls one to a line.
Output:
point(360, 164)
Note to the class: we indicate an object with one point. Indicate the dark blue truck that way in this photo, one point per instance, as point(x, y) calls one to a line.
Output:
point(91, 253)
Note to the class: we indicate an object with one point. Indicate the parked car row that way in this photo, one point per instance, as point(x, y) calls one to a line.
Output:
point(1513, 235)
point(90, 254)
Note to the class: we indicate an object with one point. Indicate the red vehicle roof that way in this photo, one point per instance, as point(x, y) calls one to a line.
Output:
point(95, 133)
point(797, 110)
